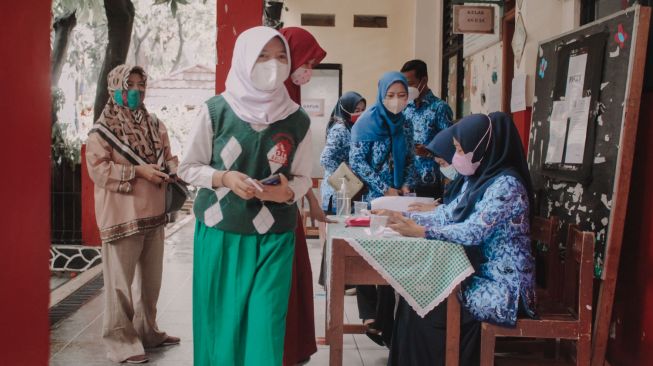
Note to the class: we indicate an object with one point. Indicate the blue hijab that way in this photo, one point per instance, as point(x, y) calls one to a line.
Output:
point(344, 108)
point(504, 155)
point(442, 147)
point(377, 124)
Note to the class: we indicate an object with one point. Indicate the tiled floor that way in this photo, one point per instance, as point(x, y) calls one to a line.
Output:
point(58, 279)
point(76, 340)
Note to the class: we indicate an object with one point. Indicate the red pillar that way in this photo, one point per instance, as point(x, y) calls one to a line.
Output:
point(632, 343)
point(25, 184)
point(522, 121)
point(90, 231)
point(234, 17)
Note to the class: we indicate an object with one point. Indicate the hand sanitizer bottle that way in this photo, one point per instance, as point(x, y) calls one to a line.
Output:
point(343, 201)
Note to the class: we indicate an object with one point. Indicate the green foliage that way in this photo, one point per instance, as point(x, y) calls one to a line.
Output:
point(65, 146)
point(174, 4)
point(156, 32)
point(66, 149)
point(87, 11)
point(58, 99)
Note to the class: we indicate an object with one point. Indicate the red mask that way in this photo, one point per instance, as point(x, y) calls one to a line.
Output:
point(354, 117)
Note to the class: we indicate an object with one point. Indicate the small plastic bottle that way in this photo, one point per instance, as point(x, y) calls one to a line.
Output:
point(343, 201)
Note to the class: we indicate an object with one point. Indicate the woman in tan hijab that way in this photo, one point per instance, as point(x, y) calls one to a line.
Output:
point(128, 155)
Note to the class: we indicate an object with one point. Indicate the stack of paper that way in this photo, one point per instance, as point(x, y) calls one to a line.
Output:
point(397, 203)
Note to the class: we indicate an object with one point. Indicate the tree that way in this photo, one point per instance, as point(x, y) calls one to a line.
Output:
point(160, 37)
point(63, 26)
point(120, 19)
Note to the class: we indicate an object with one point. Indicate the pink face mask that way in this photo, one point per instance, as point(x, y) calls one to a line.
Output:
point(301, 76)
point(463, 162)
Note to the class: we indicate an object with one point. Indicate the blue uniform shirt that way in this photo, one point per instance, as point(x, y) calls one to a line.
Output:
point(422, 124)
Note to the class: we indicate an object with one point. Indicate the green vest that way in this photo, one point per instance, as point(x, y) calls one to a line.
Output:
point(236, 146)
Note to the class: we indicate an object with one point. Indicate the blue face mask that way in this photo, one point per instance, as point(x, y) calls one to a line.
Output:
point(449, 171)
point(133, 98)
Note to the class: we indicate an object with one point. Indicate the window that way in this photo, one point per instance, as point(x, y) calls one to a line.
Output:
point(319, 20)
point(371, 21)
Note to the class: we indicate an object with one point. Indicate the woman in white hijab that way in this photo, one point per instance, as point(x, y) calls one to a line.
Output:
point(244, 233)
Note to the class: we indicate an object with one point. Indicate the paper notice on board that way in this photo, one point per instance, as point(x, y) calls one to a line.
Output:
point(576, 77)
point(518, 97)
point(579, 111)
point(493, 101)
point(557, 133)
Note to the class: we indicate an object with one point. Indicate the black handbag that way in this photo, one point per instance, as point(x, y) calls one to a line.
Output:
point(176, 195)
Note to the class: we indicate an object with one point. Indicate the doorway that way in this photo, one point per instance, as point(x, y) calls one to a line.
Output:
point(319, 97)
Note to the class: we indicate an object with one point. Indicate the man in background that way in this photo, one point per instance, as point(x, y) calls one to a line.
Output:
point(425, 116)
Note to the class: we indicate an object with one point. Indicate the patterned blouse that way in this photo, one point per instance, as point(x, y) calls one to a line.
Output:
point(371, 161)
point(499, 229)
point(422, 124)
point(336, 150)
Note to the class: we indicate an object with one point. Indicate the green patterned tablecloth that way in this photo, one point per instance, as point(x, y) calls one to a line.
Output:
point(424, 272)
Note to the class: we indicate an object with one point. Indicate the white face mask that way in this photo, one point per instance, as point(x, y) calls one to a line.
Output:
point(269, 75)
point(413, 93)
point(449, 172)
point(301, 76)
point(394, 105)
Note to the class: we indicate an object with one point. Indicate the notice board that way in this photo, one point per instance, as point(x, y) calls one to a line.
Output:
point(593, 191)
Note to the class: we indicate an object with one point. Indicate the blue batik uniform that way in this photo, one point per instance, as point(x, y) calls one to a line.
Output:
point(336, 151)
point(338, 142)
point(380, 153)
point(499, 227)
point(422, 124)
point(370, 161)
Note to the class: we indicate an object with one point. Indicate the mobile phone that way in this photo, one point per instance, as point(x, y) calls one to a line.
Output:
point(272, 180)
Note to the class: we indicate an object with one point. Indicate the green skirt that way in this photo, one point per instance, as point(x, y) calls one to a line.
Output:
point(241, 285)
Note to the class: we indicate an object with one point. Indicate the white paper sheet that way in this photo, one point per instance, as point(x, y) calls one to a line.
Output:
point(493, 98)
point(518, 98)
point(557, 133)
point(397, 203)
point(579, 111)
point(576, 77)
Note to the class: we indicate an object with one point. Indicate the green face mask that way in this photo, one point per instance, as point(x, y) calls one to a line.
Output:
point(133, 98)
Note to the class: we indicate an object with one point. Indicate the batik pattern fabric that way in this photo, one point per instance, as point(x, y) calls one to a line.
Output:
point(499, 227)
point(422, 124)
point(336, 151)
point(372, 162)
point(441, 216)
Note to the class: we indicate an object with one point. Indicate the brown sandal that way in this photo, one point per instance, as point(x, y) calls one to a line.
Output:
point(170, 341)
point(136, 359)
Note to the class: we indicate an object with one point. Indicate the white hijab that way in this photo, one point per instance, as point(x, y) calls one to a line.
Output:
point(250, 104)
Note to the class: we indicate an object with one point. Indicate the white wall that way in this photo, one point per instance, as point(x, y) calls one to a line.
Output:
point(365, 53)
point(323, 86)
point(485, 70)
point(544, 20)
point(428, 39)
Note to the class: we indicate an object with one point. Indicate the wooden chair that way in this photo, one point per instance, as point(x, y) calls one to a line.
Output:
point(311, 230)
point(576, 324)
point(545, 231)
